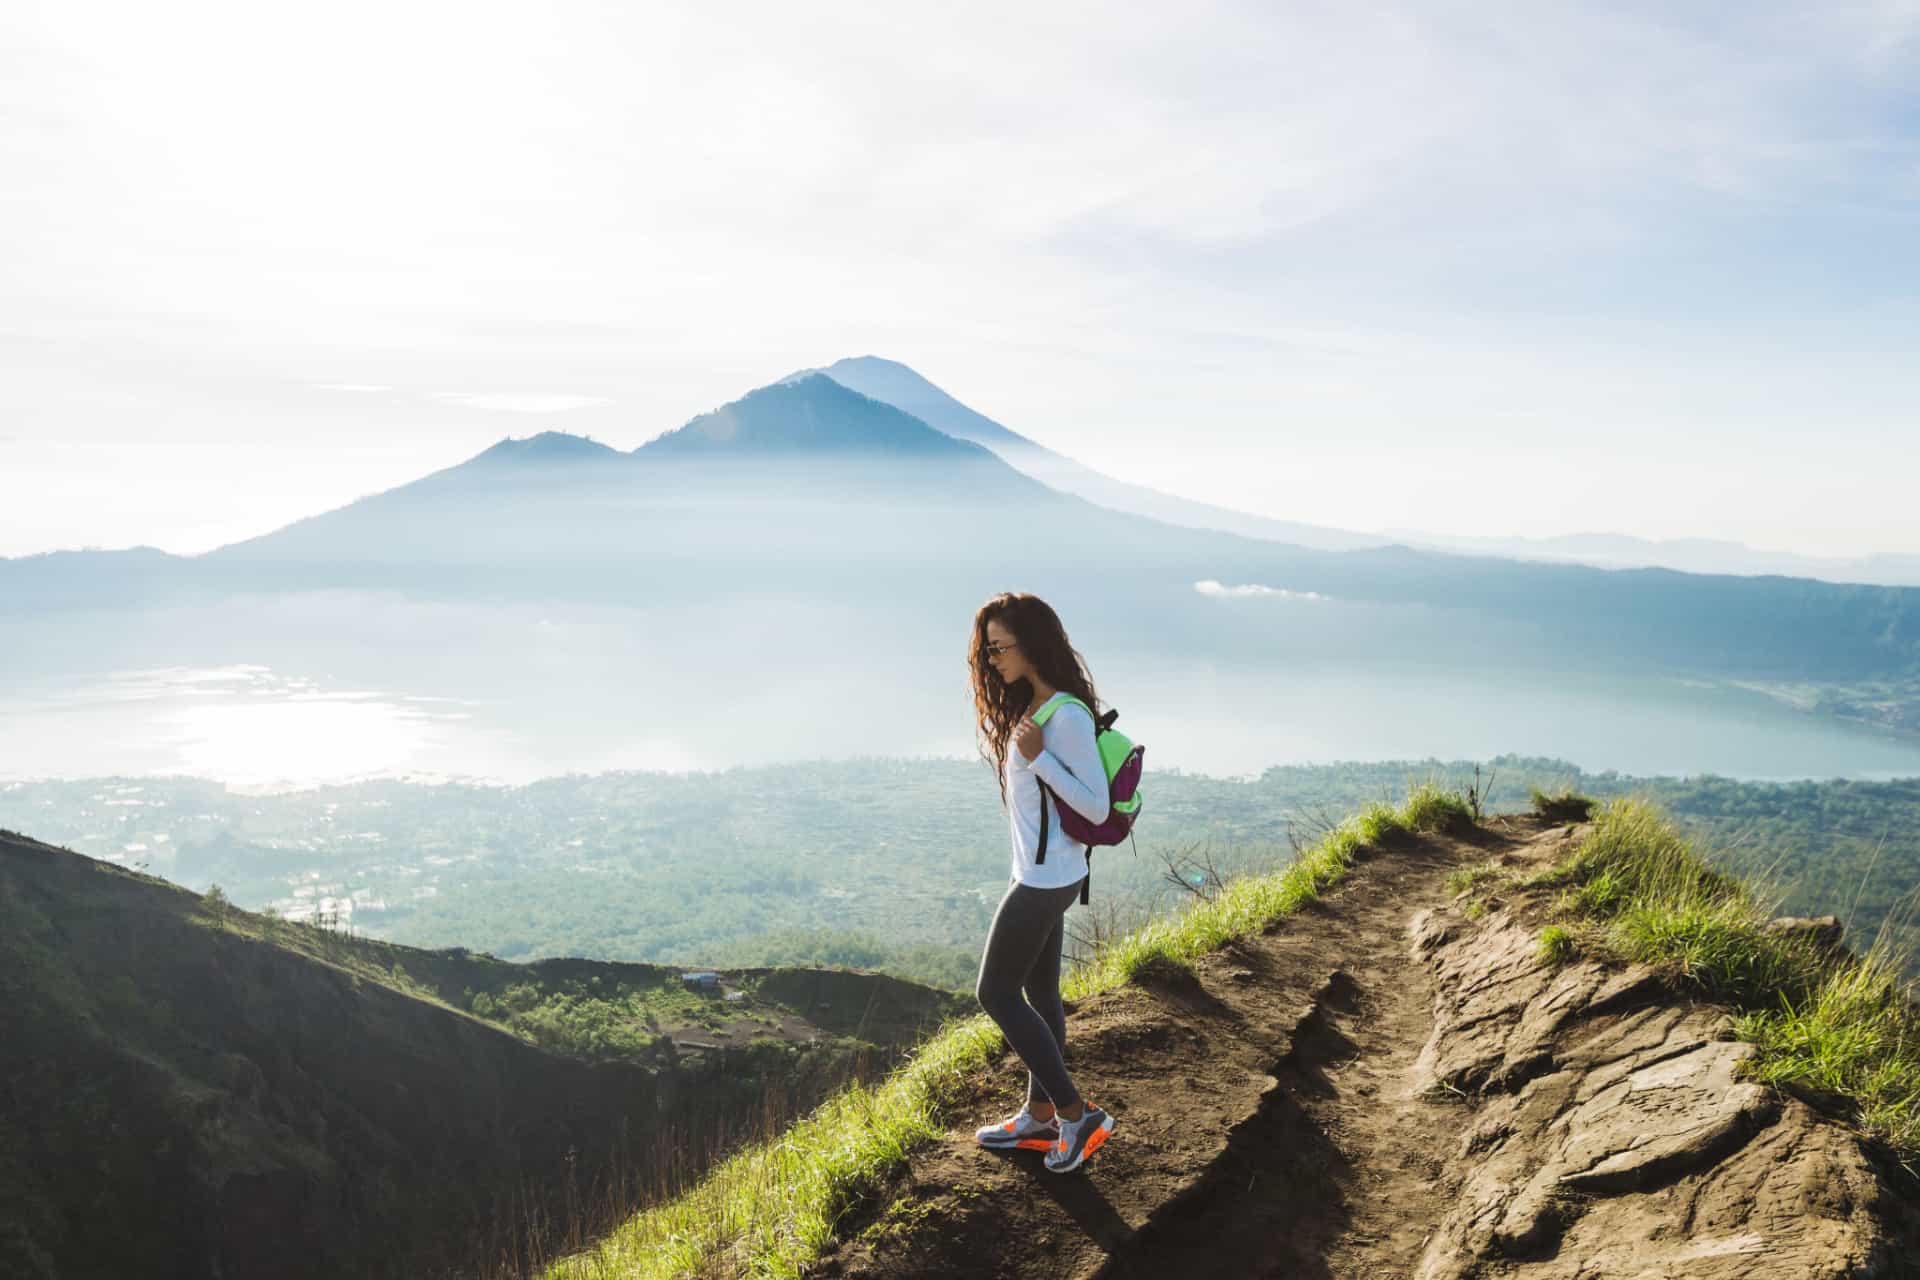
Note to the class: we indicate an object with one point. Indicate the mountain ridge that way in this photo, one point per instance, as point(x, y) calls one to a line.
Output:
point(1701, 556)
point(807, 413)
point(548, 447)
point(897, 383)
point(894, 534)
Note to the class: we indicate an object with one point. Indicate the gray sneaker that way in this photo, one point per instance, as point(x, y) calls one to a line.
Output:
point(1079, 1139)
point(1021, 1131)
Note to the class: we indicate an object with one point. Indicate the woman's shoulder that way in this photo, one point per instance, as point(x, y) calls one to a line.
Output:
point(1071, 706)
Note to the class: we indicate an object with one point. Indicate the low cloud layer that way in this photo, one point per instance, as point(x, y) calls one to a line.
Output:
point(1209, 587)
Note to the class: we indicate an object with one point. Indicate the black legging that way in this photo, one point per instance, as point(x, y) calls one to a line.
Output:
point(1023, 953)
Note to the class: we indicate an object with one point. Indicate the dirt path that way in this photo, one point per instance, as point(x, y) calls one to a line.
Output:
point(1265, 1122)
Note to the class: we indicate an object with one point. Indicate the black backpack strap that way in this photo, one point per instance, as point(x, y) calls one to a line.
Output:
point(1041, 856)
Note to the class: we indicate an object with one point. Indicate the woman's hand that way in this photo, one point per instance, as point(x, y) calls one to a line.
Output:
point(1026, 736)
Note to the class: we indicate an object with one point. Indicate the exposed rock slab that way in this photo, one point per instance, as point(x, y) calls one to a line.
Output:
point(1614, 1136)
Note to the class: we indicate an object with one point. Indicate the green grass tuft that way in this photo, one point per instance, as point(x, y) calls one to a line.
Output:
point(1431, 807)
point(1858, 1038)
point(1556, 945)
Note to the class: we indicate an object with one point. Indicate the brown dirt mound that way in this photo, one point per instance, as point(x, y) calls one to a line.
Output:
point(1380, 1087)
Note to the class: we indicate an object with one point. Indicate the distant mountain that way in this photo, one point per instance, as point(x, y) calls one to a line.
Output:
point(899, 385)
point(124, 580)
point(773, 462)
point(549, 449)
point(1688, 555)
point(811, 492)
point(812, 415)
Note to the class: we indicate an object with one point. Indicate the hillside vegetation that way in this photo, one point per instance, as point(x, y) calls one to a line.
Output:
point(241, 1095)
point(882, 864)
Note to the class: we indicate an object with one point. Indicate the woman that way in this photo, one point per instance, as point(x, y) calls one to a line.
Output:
point(1021, 661)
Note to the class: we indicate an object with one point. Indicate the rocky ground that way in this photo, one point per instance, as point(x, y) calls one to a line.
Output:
point(1381, 1086)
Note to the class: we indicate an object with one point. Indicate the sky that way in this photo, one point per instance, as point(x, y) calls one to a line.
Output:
point(1491, 270)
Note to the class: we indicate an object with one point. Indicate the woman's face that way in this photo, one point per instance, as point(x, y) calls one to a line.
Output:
point(1003, 653)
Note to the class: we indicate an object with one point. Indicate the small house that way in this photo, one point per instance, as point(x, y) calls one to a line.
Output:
point(705, 980)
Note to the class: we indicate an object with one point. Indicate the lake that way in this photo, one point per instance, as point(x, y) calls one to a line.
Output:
point(270, 727)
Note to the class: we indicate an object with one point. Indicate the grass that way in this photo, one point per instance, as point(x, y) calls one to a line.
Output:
point(1556, 945)
point(769, 1210)
point(1478, 885)
point(1470, 879)
point(1842, 1025)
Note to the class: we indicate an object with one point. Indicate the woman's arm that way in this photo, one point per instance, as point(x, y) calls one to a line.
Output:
point(1072, 767)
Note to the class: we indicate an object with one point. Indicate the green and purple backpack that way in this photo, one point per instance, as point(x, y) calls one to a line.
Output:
point(1122, 758)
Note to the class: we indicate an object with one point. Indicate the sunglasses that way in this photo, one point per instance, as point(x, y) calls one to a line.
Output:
point(995, 650)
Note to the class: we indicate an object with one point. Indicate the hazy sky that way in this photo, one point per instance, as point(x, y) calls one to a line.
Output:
point(1645, 267)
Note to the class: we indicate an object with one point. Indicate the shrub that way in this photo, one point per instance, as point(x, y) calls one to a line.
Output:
point(1563, 805)
point(1431, 807)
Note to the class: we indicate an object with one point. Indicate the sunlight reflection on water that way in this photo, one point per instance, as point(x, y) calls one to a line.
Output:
point(264, 728)
point(244, 724)
point(305, 737)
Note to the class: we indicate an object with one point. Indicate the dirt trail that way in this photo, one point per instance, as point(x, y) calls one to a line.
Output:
point(1266, 1122)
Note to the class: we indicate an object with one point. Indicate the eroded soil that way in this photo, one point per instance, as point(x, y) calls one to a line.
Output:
point(1388, 1085)
point(1265, 1124)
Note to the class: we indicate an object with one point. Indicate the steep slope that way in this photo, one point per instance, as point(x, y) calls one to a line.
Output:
point(190, 1090)
point(899, 385)
point(1388, 1085)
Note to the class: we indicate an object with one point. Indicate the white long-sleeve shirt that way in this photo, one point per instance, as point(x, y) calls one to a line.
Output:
point(1068, 762)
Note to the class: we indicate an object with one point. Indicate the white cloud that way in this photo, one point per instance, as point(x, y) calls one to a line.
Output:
point(530, 402)
point(1209, 587)
point(353, 386)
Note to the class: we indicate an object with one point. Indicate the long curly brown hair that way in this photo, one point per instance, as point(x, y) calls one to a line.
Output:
point(997, 705)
